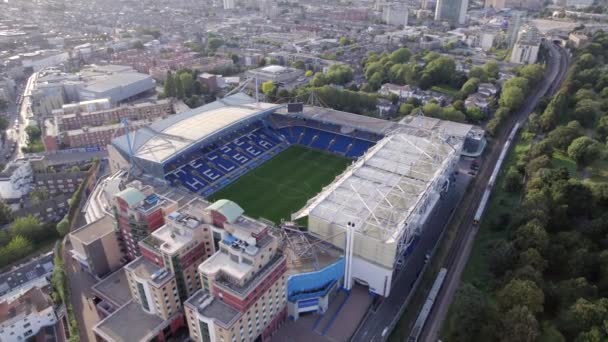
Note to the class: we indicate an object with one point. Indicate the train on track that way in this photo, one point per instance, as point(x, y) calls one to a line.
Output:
point(488, 191)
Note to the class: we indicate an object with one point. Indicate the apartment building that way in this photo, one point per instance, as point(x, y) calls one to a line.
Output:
point(27, 316)
point(243, 295)
point(182, 244)
point(74, 117)
point(160, 279)
point(138, 211)
point(99, 136)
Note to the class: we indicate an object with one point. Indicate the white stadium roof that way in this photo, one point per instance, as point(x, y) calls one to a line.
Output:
point(163, 139)
point(382, 189)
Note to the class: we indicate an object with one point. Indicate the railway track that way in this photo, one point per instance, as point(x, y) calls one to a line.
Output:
point(465, 227)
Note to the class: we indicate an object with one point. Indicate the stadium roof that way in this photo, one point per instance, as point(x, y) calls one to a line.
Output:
point(163, 139)
point(361, 122)
point(383, 188)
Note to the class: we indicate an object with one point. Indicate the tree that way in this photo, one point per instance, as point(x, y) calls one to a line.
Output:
point(584, 150)
point(138, 45)
point(3, 121)
point(586, 112)
point(500, 256)
point(440, 71)
point(583, 315)
point(478, 73)
point(519, 325)
point(187, 81)
point(169, 86)
point(18, 247)
point(521, 292)
point(513, 180)
point(406, 109)
point(308, 73)
point(63, 227)
point(531, 235)
point(531, 257)
point(344, 41)
point(401, 55)
point(39, 195)
point(299, 65)
point(562, 136)
point(533, 72)
point(470, 308)
point(6, 214)
point(33, 132)
point(179, 89)
point(492, 69)
point(511, 98)
point(470, 86)
point(214, 43)
point(28, 227)
point(376, 81)
point(570, 290)
point(268, 88)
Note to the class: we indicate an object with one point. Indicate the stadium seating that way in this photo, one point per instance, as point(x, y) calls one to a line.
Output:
point(220, 163)
point(217, 165)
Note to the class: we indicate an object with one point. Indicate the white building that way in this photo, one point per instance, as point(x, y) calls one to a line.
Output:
point(395, 14)
point(228, 4)
point(16, 181)
point(23, 317)
point(378, 206)
point(525, 50)
point(43, 59)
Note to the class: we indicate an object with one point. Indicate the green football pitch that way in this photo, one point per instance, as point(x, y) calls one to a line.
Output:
point(282, 185)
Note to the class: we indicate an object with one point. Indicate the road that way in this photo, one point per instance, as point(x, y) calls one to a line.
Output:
point(461, 248)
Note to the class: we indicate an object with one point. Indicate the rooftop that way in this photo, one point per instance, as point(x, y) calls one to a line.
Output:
point(162, 139)
point(132, 196)
point(114, 287)
point(25, 273)
point(129, 323)
point(94, 230)
point(146, 269)
point(110, 82)
point(251, 283)
point(229, 209)
point(361, 122)
point(444, 127)
point(34, 300)
point(210, 307)
point(384, 187)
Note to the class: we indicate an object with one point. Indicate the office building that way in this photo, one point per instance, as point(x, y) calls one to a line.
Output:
point(452, 11)
point(395, 14)
point(525, 50)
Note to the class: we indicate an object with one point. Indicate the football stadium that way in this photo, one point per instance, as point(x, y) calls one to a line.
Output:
point(359, 184)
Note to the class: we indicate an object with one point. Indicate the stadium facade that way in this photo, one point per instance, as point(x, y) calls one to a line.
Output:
point(369, 217)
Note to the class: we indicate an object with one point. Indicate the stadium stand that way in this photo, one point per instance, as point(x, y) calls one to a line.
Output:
point(221, 162)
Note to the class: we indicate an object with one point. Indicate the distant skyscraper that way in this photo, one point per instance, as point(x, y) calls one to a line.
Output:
point(453, 11)
point(395, 14)
point(228, 4)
